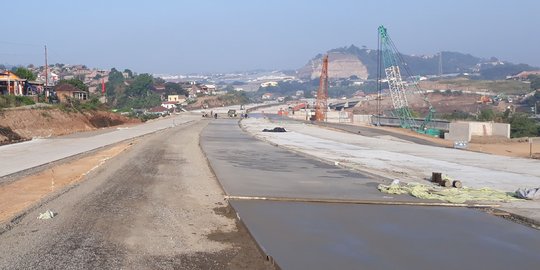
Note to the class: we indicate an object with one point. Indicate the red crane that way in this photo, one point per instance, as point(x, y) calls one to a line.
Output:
point(322, 94)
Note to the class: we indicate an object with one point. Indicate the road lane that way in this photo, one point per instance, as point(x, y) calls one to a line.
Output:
point(248, 167)
point(26, 155)
point(352, 236)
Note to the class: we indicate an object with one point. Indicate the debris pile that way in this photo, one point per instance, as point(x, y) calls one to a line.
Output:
point(528, 193)
point(46, 215)
point(276, 129)
point(445, 181)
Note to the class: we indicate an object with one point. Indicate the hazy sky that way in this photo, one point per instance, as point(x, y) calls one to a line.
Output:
point(222, 36)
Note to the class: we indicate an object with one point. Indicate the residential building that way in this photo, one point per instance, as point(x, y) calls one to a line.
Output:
point(267, 84)
point(267, 96)
point(11, 84)
point(176, 98)
point(169, 104)
point(65, 92)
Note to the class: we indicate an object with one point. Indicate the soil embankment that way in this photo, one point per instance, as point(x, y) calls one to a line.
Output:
point(25, 124)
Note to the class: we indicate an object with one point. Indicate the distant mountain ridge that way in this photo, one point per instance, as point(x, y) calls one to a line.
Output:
point(362, 62)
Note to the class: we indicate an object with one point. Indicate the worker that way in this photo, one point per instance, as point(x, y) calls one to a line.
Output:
point(215, 115)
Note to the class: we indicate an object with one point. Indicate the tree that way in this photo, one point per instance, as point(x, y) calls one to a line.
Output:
point(141, 86)
point(486, 115)
point(24, 73)
point(535, 81)
point(522, 126)
point(115, 85)
point(159, 80)
point(229, 88)
point(129, 73)
point(174, 89)
point(75, 82)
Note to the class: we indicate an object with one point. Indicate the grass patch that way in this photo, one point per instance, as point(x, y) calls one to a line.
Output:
point(10, 101)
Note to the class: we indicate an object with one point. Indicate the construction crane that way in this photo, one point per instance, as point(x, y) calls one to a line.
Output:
point(321, 106)
point(394, 65)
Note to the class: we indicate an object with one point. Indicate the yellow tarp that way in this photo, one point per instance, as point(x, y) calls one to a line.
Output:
point(452, 195)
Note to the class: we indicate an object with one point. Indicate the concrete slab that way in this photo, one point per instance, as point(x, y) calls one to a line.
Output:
point(339, 236)
point(22, 156)
point(401, 160)
point(246, 166)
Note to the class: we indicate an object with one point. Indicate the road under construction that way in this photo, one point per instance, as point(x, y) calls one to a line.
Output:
point(306, 198)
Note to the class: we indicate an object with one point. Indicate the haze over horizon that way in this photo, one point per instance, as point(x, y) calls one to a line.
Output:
point(202, 36)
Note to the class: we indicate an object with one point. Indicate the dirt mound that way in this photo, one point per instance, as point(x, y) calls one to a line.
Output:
point(106, 119)
point(443, 104)
point(24, 124)
point(215, 101)
point(7, 135)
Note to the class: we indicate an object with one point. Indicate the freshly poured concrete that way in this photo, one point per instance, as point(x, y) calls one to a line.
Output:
point(346, 236)
point(248, 167)
point(353, 236)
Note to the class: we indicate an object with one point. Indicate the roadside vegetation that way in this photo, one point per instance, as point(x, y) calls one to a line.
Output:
point(9, 101)
point(521, 125)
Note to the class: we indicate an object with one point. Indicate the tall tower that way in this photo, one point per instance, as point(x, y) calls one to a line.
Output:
point(440, 64)
point(322, 94)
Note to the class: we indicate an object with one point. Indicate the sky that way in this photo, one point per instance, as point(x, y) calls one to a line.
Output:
point(220, 36)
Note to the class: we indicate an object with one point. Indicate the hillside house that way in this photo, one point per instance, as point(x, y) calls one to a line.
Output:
point(208, 89)
point(267, 96)
point(268, 84)
point(53, 77)
point(170, 105)
point(65, 92)
point(177, 99)
point(158, 110)
point(11, 84)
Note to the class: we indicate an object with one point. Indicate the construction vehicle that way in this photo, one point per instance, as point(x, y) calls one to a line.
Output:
point(231, 113)
point(484, 100)
point(393, 66)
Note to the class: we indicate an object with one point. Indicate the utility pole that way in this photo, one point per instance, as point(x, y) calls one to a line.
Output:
point(46, 74)
point(440, 64)
point(379, 55)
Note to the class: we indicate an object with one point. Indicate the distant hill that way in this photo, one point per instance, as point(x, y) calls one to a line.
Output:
point(354, 61)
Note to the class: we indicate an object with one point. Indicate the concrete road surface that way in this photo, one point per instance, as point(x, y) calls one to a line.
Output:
point(249, 167)
point(26, 155)
point(351, 236)
point(337, 236)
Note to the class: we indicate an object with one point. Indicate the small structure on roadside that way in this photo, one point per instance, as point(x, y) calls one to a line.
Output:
point(465, 130)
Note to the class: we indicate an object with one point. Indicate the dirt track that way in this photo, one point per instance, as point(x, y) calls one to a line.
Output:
point(155, 206)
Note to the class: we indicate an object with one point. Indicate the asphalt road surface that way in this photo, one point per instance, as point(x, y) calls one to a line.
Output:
point(302, 235)
point(155, 206)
